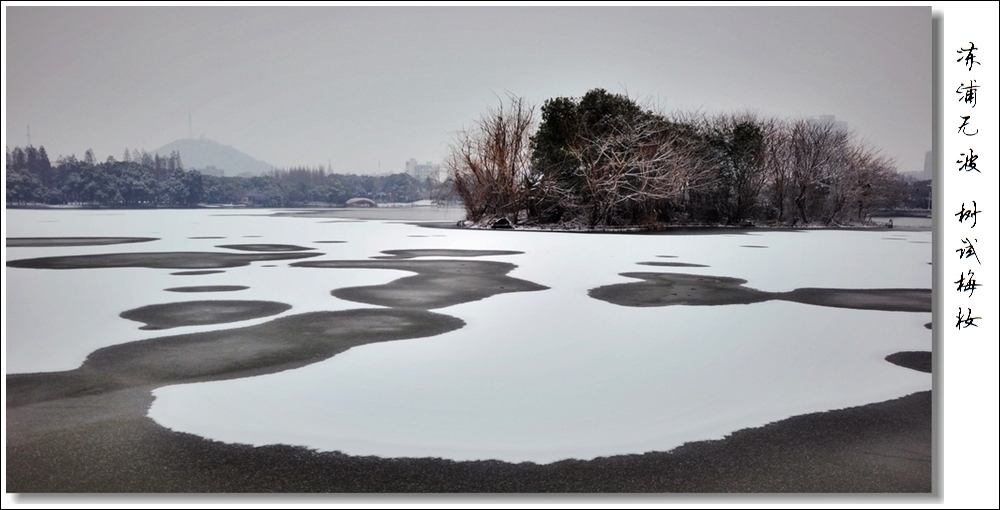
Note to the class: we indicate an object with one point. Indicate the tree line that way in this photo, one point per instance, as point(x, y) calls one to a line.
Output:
point(603, 160)
point(143, 180)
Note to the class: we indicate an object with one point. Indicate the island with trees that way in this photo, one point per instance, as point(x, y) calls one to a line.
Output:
point(604, 161)
point(598, 162)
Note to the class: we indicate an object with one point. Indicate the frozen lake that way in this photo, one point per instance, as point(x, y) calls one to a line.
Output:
point(538, 376)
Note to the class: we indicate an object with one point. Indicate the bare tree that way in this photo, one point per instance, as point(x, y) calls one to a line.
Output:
point(778, 164)
point(817, 148)
point(868, 181)
point(739, 140)
point(608, 161)
point(489, 162)
point(627, 172)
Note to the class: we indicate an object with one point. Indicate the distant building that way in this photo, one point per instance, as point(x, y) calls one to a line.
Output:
point(422, 171)
point(928, 172)
point(212, 170)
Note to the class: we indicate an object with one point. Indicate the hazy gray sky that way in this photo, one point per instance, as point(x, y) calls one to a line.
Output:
point(359, 85)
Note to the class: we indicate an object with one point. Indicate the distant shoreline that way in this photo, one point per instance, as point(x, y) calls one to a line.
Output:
point(452, 217)
point(698, 229)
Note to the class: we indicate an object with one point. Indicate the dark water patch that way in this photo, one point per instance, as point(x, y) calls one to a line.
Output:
point(752, 246)
point(664, 289)
point(410, 254)
point(264, 247)
point(201, 313)
point(195, 273)
point(248, 237)
point(928, 325)
point(208, 288)
point(330, 242)
point(894, 300)
point(670, 264)
point(86, 430)
point(437, 284)
point(207, 237)
point(268, 265)
point(46, 242)
point(155, 260)
point(342, 221)
point(915, 360)
point(282, 344)
point(667, 256)
point(894, 238)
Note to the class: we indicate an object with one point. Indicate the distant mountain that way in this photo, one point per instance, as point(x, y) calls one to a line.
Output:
point(202, 154)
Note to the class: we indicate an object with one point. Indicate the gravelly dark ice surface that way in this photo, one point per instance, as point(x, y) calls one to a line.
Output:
point(208, 288)
point(437, 284)
point(665, 289)
point(884, 447)
point(915, 360)
point(86, 430)
point(45, 242)
point(275, 248)
point(155, 260)
point(200, 313)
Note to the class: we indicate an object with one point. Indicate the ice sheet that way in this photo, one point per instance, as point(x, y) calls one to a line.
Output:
point(534, 376)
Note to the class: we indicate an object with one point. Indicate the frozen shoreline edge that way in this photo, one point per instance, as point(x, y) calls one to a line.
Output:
point(880, 447)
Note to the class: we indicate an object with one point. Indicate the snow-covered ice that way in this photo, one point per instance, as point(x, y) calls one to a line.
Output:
point(534, 376)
